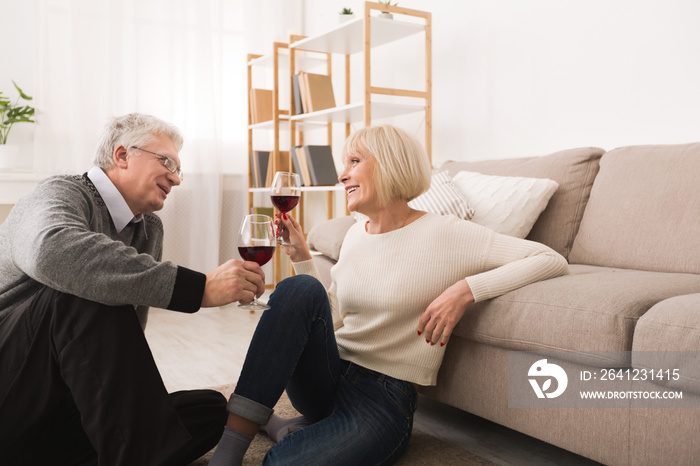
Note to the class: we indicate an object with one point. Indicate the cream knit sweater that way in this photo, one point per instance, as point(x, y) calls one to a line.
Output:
point(383, 283)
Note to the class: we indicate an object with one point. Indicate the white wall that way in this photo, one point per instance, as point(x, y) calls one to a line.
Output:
point(16, 53)
point(264, 21)
point(529, 77)
point(512, 77)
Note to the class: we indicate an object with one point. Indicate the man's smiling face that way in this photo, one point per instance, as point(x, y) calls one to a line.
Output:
point(147, 182)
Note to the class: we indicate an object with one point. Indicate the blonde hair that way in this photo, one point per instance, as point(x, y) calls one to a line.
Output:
point(133, 129)
point(402, 169)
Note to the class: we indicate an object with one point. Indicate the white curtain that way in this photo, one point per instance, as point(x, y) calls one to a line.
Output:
point(180, 60)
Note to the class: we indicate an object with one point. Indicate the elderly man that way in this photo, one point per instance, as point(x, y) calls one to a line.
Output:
point(80, 263)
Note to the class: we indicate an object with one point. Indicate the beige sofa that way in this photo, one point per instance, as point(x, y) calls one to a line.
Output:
point(628, 221)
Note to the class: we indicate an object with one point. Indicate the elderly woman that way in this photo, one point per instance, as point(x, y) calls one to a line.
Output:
point(349, 357)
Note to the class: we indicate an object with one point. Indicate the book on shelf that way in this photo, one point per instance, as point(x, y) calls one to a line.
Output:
point(260, 105)
point(304, 91)
point(300, 166)
point(295, 164)
point(298, 107)
point(262, 167)
point(259, 162)
point(269, 211)
point(316, 92)
point(282, 166)
point(315, 165)
point(321, 165)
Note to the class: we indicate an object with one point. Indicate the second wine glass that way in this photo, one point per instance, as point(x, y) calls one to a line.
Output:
point(285, 193)
point(256, 242)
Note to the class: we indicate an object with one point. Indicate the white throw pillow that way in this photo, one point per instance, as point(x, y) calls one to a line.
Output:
point(506, 204)
point(443, 198)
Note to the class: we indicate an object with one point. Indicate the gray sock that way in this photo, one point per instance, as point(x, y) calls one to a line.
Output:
point(277, 427)
point(231, 448)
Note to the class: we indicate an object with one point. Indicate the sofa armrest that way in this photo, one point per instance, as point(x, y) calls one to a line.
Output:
point(672, 324)
point(327, 237)
point(667, 336)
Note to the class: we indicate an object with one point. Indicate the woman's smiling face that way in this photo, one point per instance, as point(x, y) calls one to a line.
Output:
point(359, 182)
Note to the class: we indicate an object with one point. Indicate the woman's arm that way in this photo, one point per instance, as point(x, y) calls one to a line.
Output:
point(508, 263)
point(511, 263)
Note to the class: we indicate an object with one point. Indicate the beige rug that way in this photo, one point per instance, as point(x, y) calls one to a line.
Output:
point(423, 449)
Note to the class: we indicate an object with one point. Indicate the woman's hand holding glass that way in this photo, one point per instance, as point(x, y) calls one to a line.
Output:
point(285, 193)
point(290, 231)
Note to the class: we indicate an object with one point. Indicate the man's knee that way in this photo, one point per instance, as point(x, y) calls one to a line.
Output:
point(62, 304)
point(74, 317)
point(207, 407)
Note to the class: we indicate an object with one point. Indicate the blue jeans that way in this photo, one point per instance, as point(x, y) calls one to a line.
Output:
point(360, 417)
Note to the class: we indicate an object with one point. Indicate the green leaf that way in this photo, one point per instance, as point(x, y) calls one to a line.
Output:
point(11, 113)
point(21, 94)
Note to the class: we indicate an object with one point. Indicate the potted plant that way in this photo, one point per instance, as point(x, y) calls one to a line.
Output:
point(11, 113)
point(386, 14)
point(345, 14)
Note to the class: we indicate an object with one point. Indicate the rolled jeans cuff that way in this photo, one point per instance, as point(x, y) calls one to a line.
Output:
point(249, 409)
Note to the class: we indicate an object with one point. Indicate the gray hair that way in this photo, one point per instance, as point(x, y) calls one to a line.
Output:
point(134, 129)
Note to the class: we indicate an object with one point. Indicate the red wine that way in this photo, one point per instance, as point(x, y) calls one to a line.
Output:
point(259, 254)
point(284, 203)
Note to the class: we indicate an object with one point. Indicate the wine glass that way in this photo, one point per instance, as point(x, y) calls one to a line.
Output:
point(285, 193)
point(256, 242)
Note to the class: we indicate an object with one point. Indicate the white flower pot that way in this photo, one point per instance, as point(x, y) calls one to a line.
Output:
point(9, 157)
point(386, 15)
point(342, 18)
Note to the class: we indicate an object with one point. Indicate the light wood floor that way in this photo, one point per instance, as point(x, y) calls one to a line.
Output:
point(207, 349)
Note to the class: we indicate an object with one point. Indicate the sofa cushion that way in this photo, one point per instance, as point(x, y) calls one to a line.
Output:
point(509, 205)
point(573, 169)
point(592, 309)
point(324, 265)
point(328, 236)
point(642, 212)
point(443, 198)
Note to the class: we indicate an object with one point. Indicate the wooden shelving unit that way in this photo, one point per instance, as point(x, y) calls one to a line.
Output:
point(278, 115)
point(361, 35)
point(352, 113)
point(356, 36)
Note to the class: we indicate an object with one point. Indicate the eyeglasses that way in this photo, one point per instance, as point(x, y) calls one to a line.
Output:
point(169, 163)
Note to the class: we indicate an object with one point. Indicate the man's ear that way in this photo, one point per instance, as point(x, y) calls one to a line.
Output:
point(120, 158)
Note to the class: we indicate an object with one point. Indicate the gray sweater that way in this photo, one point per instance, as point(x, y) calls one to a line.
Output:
point(61, 235)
